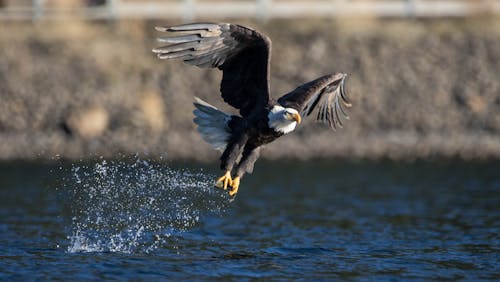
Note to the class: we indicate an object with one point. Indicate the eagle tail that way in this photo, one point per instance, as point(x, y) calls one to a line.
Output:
point(213, 124)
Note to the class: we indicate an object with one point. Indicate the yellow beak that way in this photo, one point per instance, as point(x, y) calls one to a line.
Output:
point(297, 118)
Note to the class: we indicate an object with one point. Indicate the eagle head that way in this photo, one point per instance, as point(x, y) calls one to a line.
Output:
point(283, 119)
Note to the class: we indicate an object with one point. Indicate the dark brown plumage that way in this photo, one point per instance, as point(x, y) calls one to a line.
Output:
point(243, 55)
point(328, 91)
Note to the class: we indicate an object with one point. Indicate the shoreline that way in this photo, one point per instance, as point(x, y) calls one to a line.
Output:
point(393, 147)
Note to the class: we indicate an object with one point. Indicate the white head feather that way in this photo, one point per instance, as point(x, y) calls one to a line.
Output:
point(279, 119)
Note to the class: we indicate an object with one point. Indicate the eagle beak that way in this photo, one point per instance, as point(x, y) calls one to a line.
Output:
point(297, 118)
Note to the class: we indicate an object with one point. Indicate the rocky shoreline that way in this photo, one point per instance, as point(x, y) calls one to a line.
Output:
point(420, 90)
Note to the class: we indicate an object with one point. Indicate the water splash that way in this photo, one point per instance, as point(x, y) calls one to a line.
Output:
point(138, 207)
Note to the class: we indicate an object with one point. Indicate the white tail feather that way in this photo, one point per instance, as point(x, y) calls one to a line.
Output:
point(212, 124)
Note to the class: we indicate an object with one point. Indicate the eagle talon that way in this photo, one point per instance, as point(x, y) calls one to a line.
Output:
point(224, 181)
point(234, 185)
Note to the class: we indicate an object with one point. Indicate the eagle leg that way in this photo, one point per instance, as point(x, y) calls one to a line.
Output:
point(224, 181)
point(234, 185)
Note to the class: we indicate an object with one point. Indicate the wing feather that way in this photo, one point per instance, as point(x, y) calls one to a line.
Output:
point(327, 93)
point(179, 39)
point(242, 54)
point(191, 26)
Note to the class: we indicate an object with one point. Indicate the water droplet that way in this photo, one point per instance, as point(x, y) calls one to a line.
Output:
point(119, 207)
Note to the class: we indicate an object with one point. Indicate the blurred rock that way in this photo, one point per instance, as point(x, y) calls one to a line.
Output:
point(151, 111)
point(88, 123)
point(476, 104)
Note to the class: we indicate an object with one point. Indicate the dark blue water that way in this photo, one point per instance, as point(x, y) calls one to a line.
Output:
point(305, 221)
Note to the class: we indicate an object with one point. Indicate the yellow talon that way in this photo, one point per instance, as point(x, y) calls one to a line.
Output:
point(235, 184)
point(224, 181)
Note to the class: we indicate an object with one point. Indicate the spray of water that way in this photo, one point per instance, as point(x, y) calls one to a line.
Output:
point(138, 207)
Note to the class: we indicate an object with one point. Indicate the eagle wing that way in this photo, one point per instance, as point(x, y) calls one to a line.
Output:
point(241, 53)
point(326, 92)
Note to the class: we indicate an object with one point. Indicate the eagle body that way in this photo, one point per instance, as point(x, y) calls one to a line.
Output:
point(245, 137)
point(243, 56)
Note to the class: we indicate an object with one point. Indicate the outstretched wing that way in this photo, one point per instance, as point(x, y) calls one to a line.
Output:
point(242, 54)
point(327, 93)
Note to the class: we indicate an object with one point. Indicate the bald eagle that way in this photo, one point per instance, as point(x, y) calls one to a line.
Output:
point(243, 56)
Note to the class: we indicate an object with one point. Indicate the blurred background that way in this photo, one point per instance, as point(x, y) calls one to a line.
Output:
point(78, 79)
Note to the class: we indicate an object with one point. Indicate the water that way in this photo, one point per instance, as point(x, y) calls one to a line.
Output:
point(290, 220)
